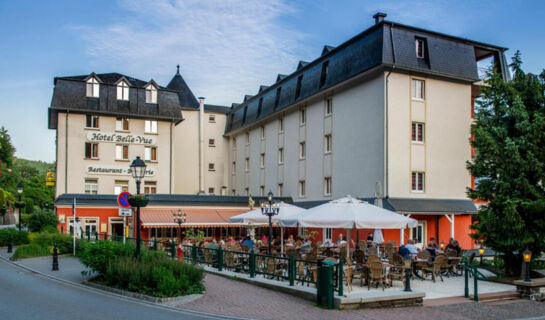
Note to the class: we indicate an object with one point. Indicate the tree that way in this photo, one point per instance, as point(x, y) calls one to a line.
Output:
point(6, 148)
point(41, 219)
point(509, 139)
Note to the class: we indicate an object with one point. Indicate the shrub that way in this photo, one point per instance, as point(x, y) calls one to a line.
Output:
point(64, 241)
point(154, 274)
point(17, 237)
point(41, 219)
point(32, 250)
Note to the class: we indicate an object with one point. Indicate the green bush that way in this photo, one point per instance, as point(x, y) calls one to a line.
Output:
point(17, 237)
point(41, 219)
point(154, 274)
point(31, 250)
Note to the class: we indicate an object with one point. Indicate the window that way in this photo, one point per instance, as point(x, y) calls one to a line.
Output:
point(211, 167)
point(327, 143)
point(211, 118)
point(92, 88)
point(122, 124)
point(150, 126)
point(328, 233)
point(280, 189)
point(123, 91)
point(323, 76)
point(280, 125)
point(211, 191)
point(121, 186)
point(151, 94)
point(234, 167)
point(246, 191)
point(121, 152)
point(91, 121)
point(262, 133)
point(302, 189)
point(234, 192)
point(418, 89)
point(234, 144)
point(328, 107)
point(302, 150)
point(418, 181)
point(91, 186)
point(262, 161)
point(277, 99)
point(327, 186)
point(298, 88)
point(262, 191)
point(419, 44)
point(418, 132)
point(280, 155)
point(259, 107)
point(150, 154)
point(247, 138)
point(150, 187)
point(91, 150)
point(302, 116)
point(211, 142)
point(247, 164)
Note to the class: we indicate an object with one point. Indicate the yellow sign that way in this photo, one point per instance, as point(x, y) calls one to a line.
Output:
point(126, 231)
point(50, 179)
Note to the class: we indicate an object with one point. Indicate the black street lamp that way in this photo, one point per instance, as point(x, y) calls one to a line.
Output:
point(527, 256)
point(270, 209)
point(20, 204)
point(138, 171)
point(179, 218)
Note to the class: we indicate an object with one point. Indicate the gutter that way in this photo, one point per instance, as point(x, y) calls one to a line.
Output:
point(386, 107)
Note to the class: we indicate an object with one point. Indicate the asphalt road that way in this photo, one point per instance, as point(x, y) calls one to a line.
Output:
point(25, 295)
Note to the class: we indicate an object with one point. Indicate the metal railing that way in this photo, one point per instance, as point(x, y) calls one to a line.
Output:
point(472, 270)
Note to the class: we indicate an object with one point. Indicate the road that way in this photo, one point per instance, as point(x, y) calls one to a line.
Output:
point(25, 295)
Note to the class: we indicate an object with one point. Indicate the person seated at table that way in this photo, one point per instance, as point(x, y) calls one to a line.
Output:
point(231, 240)
point(404, 252)
point(213, 244)
point(370, 236)
point(413, 250)
point(290, 242)
point(248, 241)
point(340, 240)
point(264, 239)
point(454, 246)
point(431, 250)
point(433, 243)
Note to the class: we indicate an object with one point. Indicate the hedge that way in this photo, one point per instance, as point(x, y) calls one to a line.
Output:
point(17, 237)
point(41, 244)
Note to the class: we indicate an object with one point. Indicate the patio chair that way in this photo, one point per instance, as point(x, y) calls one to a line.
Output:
point(397, 271)
point(357, 272)
point(376, 275)
point(272, 268)
point(359, 257)
point(373, 258)
point(245, 247)
point(435, 268)
point(230, 262)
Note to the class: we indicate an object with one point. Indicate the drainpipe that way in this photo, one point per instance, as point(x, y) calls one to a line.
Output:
point(386, 92)
point(201, 145)
point(66, 153)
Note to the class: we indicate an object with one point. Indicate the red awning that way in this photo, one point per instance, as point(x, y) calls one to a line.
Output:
point(196, 217)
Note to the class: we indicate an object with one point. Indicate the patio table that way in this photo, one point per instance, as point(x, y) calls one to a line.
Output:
point(414, 263)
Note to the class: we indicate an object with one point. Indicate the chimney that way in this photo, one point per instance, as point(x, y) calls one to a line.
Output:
point(379, 17)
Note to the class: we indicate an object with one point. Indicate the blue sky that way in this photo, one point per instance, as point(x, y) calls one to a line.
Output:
point(225, 48)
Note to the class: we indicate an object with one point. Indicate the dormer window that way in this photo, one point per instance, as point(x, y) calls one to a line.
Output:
point(420, 48)
point(151, 94)
point(123, 91)
point(92, 88)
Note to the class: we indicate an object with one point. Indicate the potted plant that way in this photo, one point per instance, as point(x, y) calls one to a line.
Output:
point(138, 200)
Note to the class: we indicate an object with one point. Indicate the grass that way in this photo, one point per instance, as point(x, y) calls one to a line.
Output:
point(31, 250)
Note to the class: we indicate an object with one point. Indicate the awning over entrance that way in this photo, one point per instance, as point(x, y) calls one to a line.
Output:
point(433, 206)
point(196, 217)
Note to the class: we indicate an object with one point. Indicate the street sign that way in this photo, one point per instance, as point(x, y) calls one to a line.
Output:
point(125, 212)
point(123, 200)
point(50, 179)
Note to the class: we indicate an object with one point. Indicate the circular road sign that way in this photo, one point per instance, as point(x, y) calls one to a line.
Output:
point(123, 200)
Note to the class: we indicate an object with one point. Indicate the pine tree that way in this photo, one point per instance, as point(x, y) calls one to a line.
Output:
point(509, 140)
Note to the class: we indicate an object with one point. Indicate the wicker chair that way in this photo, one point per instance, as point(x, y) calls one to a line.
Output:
point(397, 271)
point(376, 275)
point(373, 258)
point(436, 268)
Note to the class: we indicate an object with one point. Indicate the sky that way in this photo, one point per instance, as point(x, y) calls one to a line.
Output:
point(225, 48)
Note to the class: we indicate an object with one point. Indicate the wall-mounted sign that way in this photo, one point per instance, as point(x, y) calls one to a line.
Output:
point(115, 171)
point(50, 179)
point(119, 138)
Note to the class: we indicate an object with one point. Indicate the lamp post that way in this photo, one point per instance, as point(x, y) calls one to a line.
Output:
point(269, 209)
point(179, 218)
point(20, 204)
point(481, 253)
point(527, 256)
point(138, 171)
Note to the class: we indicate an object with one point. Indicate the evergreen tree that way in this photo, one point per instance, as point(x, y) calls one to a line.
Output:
point(509, 140)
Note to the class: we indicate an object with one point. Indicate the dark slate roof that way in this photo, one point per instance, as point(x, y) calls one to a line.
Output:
point(383, 46)
point(421, 206)
point(164, 200)
point(217, 109)
point(69, 95)
point(186, 96)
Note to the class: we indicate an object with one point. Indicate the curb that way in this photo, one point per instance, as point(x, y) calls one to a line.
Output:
point(122, 297)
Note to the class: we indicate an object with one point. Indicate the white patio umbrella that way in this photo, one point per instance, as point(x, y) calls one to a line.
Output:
point(255, 216)
point(348, 213)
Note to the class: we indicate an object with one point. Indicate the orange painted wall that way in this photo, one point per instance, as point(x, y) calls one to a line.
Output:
point(101, 213)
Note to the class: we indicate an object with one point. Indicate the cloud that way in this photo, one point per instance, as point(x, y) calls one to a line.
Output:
point(225, 48)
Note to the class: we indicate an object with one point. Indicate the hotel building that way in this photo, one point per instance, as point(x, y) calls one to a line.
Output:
point(391, 107)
